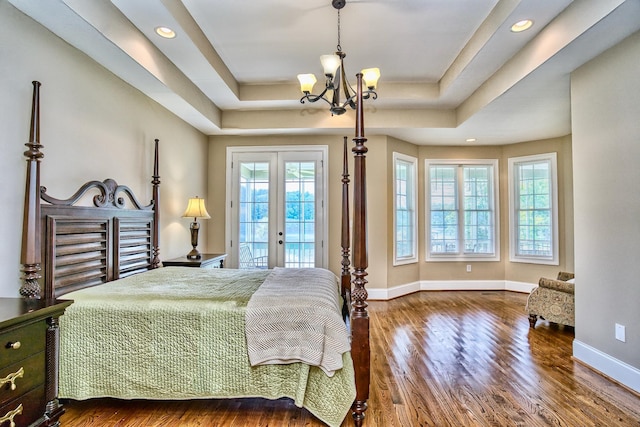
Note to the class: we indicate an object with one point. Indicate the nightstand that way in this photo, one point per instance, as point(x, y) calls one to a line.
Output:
point(207, 261)
point(28, 361)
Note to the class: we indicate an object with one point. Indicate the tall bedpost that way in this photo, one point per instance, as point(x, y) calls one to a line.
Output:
point(155, 262)
point(360, 350)
point(346, 235)
point(30, 257)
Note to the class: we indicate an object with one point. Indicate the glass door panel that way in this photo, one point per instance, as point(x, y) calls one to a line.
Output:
point(300, 217)
point(253, 211)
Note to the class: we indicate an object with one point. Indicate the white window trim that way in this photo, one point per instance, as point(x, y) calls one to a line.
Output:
point(513, 257)
point(414, 195)
point(496, 211)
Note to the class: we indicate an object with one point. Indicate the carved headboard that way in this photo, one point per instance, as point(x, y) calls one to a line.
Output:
point(68, 246)
point(86, 246)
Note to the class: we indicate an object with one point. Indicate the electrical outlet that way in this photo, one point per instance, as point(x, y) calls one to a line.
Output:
point(468, 268)
point(620, 332)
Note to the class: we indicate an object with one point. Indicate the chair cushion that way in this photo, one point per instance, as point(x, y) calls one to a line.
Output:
point(557, 285)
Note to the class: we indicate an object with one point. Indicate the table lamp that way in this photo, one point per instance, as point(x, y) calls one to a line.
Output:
point(195, 209)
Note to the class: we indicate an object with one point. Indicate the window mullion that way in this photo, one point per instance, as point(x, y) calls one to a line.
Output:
point(460, 206)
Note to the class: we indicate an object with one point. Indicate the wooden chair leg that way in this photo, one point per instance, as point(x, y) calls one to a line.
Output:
point(532, 320)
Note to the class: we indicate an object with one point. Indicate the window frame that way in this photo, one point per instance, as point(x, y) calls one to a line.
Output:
point(412, 196)
point(495, 197)
point(554, 259)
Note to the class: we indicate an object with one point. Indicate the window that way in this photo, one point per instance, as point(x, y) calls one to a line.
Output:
point(533, 212)
point(461, 201)
point(404, 208)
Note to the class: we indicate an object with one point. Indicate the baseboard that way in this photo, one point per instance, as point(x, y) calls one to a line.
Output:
point(394, 292)
point(462, 285)
point(615, 369)
point(519, 286)
point(448, 285)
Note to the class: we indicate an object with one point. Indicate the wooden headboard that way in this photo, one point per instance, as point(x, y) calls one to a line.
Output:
point(78, 245)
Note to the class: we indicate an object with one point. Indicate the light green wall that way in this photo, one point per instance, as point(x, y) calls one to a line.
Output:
point(94, 126)
point(605, 104)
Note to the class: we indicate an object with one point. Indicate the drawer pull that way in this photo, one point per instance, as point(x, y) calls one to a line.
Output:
point(10, 415)
point(14, 345)
point(11, 379)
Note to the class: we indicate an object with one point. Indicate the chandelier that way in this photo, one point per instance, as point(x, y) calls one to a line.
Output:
point(335, 80)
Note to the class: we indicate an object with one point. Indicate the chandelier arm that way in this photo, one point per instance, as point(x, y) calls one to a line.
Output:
point(366, 94)
point(335, 101)
point(313, 98)
point(346, 88)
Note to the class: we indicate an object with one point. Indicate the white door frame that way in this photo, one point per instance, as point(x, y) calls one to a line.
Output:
point(323, 196)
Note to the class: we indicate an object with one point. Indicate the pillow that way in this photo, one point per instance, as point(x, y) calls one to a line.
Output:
point(573, 280)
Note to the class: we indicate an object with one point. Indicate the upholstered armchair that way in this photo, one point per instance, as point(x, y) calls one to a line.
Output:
point(553, 300)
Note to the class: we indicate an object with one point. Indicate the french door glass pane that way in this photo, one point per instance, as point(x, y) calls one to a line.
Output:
point(254, 214)
point(300, 217)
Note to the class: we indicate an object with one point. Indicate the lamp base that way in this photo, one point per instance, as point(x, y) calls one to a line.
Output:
point(194, 254)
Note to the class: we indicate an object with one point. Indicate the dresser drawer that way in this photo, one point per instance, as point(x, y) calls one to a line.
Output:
point(31, 338)
point(33, 404)
point(27, 373)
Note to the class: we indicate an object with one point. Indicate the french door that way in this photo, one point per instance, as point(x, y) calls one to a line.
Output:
point(276, 212)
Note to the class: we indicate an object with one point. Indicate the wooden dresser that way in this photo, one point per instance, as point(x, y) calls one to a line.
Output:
point(28, 362)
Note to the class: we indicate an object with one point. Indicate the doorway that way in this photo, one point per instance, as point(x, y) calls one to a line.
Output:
point(276, 215)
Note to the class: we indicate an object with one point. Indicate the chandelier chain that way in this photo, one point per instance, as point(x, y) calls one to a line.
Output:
point(338, 46)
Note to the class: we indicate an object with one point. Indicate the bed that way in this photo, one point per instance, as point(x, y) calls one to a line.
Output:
point(190, 333)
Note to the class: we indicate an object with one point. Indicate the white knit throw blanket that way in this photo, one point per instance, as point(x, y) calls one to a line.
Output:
point(295, 317)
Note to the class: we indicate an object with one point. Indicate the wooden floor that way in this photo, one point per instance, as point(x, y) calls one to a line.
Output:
point(438, 359)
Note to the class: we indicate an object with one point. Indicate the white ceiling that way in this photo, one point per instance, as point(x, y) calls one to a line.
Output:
point(451, 69)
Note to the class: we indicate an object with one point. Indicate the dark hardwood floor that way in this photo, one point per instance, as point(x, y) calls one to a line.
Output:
point(438, 359)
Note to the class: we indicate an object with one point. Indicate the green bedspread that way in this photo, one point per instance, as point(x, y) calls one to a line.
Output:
point(178, 333)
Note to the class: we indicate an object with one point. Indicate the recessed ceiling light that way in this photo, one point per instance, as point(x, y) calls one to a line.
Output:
point(471, 140)
point(165, 32)
point(519, 26)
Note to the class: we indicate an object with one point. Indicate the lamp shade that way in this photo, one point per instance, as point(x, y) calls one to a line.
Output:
point(196, 209)
point(330, 64)
point(306, 82)
point(370, 77)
